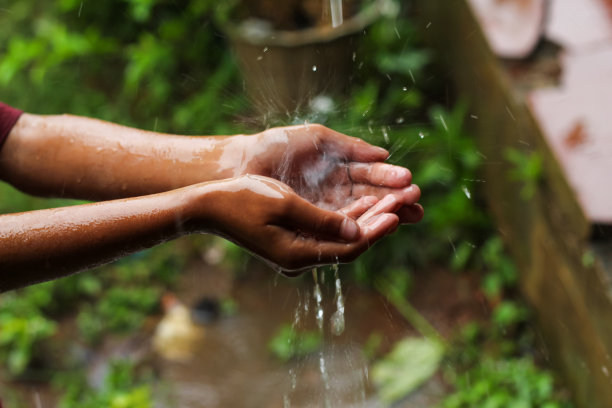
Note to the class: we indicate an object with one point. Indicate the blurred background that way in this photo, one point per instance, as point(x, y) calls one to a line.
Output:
point(429, 317)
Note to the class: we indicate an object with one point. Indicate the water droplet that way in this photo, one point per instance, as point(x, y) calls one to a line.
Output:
point(354, 56)
point(385, 134)
point(314, 68)
point(322, 104)
point(422, 135)
point(266, 49)
point(323, 369)
point(293, 375)
point(466, 192)
point(443, 122)
point(399, 120)
point(473, 116)
point(259, 57)
point(405, 88)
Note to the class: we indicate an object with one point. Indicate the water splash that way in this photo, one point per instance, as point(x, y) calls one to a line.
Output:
point(336, 12)
point(385, 134)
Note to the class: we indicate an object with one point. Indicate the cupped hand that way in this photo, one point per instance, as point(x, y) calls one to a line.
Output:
point(329, 169)
point(268, 218)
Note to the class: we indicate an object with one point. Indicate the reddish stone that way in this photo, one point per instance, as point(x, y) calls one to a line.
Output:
point(579, 24)
point(512, 27)
point(576, 122)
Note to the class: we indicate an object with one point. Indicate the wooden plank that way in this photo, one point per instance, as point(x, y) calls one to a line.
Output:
point(548, 233)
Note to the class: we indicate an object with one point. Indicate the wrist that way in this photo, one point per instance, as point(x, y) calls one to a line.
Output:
point(201, 207)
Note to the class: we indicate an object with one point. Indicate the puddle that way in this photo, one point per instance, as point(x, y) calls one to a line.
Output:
point(232, 366)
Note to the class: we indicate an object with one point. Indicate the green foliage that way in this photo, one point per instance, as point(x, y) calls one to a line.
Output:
point(150, 63)
point(411, 362)
point(288, 343)
point(19, 337)
point(121, 310)
point(500, 270)
point(387, 107)
point(372, 345)
point(24, 326)
point(123, 387)
point(526, 168)
point(515, 383)
point(130, 292)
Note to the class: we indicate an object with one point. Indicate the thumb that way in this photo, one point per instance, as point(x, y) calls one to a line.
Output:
point(324, 224)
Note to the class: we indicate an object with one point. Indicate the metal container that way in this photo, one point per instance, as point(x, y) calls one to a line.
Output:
point(284, 69)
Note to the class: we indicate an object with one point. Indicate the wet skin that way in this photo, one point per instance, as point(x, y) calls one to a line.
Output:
point(296, 196)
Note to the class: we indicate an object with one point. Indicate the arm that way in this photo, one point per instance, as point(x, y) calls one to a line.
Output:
point(79, 157)
point(261, 214)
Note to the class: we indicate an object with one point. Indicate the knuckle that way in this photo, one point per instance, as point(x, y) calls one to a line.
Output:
point(317, 127)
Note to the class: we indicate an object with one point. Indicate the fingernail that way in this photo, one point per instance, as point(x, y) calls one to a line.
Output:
point(382, 151)
point(399, 173)
point(349, 230)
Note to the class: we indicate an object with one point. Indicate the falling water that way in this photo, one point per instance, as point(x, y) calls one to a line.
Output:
point(318, 296)
point(337, 325)
point(337, 319)
point(336, 12)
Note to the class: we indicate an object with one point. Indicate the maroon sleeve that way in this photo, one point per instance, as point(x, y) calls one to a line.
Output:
point(8, 117)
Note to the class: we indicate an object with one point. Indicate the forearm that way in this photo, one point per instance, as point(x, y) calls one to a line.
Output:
point(43, 245)
point(85, 158)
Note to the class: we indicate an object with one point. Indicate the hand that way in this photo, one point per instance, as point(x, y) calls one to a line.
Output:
point(329, 169)
point(266, 217)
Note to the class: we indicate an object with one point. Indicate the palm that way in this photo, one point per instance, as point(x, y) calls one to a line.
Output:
point(328, 169)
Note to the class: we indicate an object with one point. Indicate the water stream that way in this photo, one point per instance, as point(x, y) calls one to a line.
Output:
point(336, 12)
point(337, 319)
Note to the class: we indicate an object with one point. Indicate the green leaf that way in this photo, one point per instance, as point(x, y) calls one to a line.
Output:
point(411, 363)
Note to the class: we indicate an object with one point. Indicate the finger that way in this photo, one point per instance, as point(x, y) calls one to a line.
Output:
point(310, 252)
point(359, 207)
point(406, 196)
point(410, 214)
point(351, 148)
point(389, 204)
point(379, 174)
point(320, 223)
point(379, 226)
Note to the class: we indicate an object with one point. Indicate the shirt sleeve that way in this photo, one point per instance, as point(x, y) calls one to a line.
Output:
point(8, 118)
